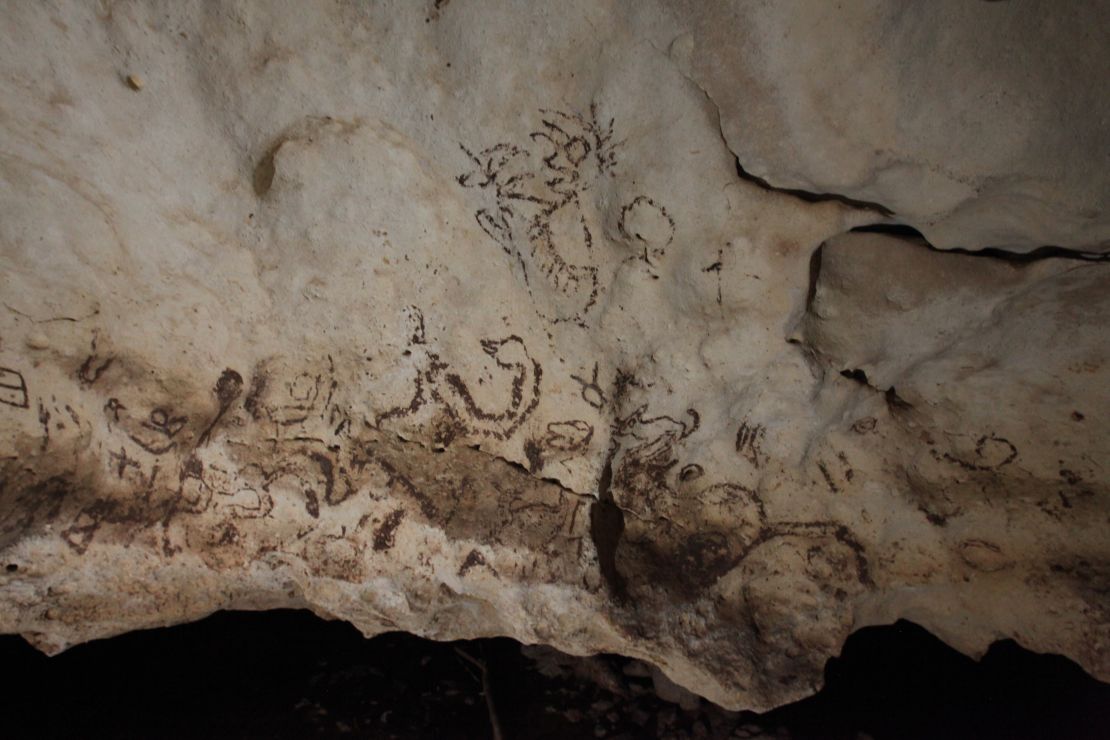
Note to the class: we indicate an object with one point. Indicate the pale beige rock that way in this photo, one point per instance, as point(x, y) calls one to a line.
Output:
point(456, 318)
point(982, 124)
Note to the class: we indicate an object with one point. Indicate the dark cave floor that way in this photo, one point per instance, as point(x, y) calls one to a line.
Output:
point(288, 674)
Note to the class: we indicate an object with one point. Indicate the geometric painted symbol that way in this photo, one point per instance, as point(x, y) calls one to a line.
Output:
point(13, 389)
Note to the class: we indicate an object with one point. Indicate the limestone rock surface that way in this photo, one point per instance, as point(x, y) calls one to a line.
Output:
point(982, 124)
point(457, 318)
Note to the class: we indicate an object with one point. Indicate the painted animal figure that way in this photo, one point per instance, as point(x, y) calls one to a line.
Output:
point(436, 384)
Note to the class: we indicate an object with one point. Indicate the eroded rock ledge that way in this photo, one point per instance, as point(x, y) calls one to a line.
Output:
point(457, 319)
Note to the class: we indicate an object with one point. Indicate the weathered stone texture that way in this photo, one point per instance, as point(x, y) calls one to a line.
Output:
point(457, 318)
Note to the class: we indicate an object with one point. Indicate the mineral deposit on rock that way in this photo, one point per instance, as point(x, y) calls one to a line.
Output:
point(457, 318)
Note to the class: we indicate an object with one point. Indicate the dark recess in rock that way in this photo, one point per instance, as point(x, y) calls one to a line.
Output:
point(288, 674)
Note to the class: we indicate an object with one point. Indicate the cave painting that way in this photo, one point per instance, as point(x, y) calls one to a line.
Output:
point(536, 210)
point(438, 385)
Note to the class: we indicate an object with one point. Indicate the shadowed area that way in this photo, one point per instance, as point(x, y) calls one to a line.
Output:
point(288, 674)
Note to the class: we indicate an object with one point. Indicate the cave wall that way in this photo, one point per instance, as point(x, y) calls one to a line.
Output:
point(475, 318)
